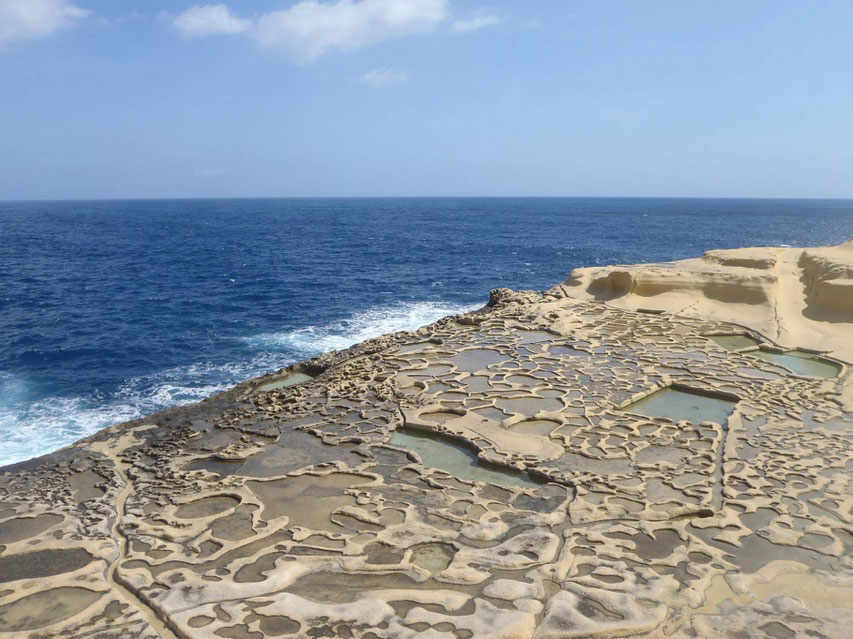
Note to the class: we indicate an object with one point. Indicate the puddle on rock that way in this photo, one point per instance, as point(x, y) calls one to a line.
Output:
point(679, 405)
point(800, 362)
point(490, 412)
point(434, 557)
point(438, 452)
point(291, 379)
point(733, 342)
point(339, 588)
point(568, 351)
point(22, 527)
point(534, 337)
point(42, 563)
point(576, 463)
point(308, 500)
point(206, 507)
point(527, 381)
point(655, 453)
point(86, 485)
point(414, 347)
point(477, 359)
point(294, 450)
point(45, 608)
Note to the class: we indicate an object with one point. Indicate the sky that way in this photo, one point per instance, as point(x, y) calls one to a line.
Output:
point(284, 98)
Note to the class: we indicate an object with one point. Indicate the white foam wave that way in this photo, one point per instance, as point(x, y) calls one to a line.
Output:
point(31, 426)
point(52, 423)
point(367, 324)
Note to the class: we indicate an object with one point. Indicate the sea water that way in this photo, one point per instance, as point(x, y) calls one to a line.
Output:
point(113, 310)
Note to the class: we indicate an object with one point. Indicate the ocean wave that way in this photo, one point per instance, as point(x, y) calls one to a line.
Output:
point(53, 422)
point(31, 425)
point(373, 322)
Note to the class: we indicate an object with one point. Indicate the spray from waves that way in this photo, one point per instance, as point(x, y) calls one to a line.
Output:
point(373, 322)
point(32, 425)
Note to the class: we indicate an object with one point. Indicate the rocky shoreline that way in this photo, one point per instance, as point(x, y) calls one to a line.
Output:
point(656, 450)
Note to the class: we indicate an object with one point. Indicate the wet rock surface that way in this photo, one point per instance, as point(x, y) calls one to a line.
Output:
point(326, 507)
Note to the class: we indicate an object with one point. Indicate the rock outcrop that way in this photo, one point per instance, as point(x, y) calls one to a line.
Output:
point(797, 297)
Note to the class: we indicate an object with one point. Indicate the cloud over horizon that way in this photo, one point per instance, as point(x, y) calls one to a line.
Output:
point(33, 19)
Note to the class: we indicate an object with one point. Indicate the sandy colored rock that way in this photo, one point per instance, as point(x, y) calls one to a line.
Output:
point(793, 296)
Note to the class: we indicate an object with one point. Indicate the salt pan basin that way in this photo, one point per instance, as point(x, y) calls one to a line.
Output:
point(679, 405)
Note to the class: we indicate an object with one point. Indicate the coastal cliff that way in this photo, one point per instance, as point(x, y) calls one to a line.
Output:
point(657, 450)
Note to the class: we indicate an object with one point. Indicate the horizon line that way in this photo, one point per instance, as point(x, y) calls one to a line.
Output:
point(419, 197)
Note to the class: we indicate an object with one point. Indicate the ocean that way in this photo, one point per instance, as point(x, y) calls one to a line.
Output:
point(111, 310)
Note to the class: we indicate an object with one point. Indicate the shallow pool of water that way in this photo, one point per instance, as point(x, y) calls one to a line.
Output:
point(679, 405)
point(534, 337)
point(414, 347)
point(477, 359)
point(433, 556)
point(439, 452)
point(733, 342)
point(568, 351)
point(288, 380)
point(801, 362)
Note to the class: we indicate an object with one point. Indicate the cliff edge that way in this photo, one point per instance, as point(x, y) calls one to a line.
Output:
point(797, 297)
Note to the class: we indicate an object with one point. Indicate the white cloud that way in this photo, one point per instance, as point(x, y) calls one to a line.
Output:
point(479, 20)
point(309, 29)
point(384, 78)
point(211, 19)
point(31, 19)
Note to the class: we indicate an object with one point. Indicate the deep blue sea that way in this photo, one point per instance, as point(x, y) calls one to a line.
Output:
point(113, 310)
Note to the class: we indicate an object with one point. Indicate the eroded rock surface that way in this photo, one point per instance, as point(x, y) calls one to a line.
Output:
point(546, 467)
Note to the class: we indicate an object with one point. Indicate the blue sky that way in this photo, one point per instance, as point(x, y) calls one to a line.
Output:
point(125, 98)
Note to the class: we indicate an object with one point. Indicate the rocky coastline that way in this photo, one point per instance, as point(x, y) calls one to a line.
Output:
point(660, 450)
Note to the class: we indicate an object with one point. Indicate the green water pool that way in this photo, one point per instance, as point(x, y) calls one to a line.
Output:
point(679, 405)
point(439, 452)
point(800, 362)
